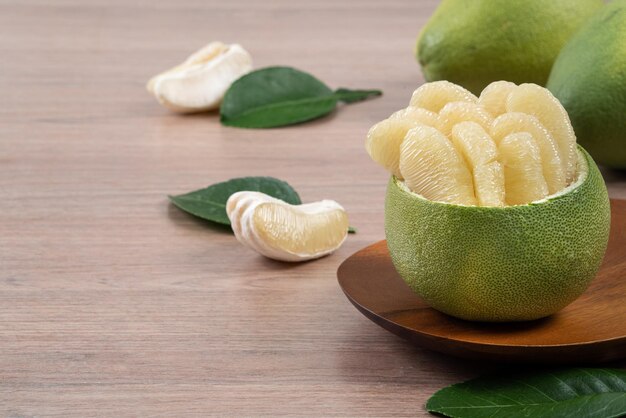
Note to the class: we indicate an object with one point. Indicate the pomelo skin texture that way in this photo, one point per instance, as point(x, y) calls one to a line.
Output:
point(589, 79)
point(500, 264)
point(473, 43)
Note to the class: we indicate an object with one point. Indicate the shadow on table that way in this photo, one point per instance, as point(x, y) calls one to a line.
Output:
point(383, 358)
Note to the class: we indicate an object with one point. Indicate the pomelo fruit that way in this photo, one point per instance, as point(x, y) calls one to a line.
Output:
point(473, 43)
point(589, 78)
point(510, 263)
point(493, 217)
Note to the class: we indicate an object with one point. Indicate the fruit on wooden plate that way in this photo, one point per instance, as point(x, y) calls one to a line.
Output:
point(509, 263)
point(491, 219)
point(473, 43)
point(200, 82)
point(589, 78)
point(287, 232)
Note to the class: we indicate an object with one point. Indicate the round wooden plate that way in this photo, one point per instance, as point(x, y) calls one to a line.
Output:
point(592, 329)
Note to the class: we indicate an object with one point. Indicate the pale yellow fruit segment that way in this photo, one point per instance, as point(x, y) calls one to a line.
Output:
point(511, 146)
point(434, 96)
point(286, 232)
point(553, 170)
point(489, 184)
point(384, 138)
point(481, 154)
point(433, 168)
point(383, 142)
point(298, 232)
point(523, 170)
point(201, 81)
point(493, 98)
point(539, 102)
point(417, 114)
point(455, 112)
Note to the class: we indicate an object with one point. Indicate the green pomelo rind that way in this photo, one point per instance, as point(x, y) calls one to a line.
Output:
point(495, 264)
point(473, 43)
point(589, 79)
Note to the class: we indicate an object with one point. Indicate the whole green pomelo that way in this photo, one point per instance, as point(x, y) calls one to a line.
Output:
point(499, 264)
point(589, 79)
point(473, 43)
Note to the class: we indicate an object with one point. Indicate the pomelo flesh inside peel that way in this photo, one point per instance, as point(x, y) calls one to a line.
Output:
point(511, 146)
point(492, 214)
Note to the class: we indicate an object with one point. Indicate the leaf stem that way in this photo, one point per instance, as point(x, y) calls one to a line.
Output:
point(351, 96)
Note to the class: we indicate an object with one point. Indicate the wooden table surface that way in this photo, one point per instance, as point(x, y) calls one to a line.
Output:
point(115, 303)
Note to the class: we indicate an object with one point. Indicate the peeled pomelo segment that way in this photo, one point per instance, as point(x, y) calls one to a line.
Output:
point(489, 184)
point(383, 142)
point(456, 112)
point(306, 230)
point(417, 114)
point(493, 98)
point(286, 232)
point(553, 170)
point(434, 96)
point(431, 167)
point(480, 153)
point(539, 102)
point(523, 170)
point(474, 143)
point(384, 138)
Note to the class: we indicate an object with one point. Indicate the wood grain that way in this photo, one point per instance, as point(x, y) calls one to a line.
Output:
point(114, 303)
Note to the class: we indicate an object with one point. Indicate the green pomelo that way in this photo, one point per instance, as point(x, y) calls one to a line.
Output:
point(473, 43)
point(500, 263)
point(589, 79)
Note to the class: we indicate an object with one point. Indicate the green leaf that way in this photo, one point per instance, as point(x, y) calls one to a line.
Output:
point(351, 230)
point(280, 96)
point(584, 393)
point(210, 203)
point(351, 96)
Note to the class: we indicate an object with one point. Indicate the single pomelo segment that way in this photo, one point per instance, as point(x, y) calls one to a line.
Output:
point(383, 142)
point(489, 184)
point(481, 153)
point(434, 96)
point(523, 170)
point(512, 263)
point(287, 232)
point(456, 112)
point(539, 102)
point(433, 168)
point(493, 98)
point(384, 138)
point(417, 114)
point(553, 169)
point(308, 229)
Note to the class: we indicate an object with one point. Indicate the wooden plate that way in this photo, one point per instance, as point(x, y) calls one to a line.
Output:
point(592, 329)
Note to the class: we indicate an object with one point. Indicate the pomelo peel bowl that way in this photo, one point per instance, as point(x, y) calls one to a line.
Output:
point(510, 245)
